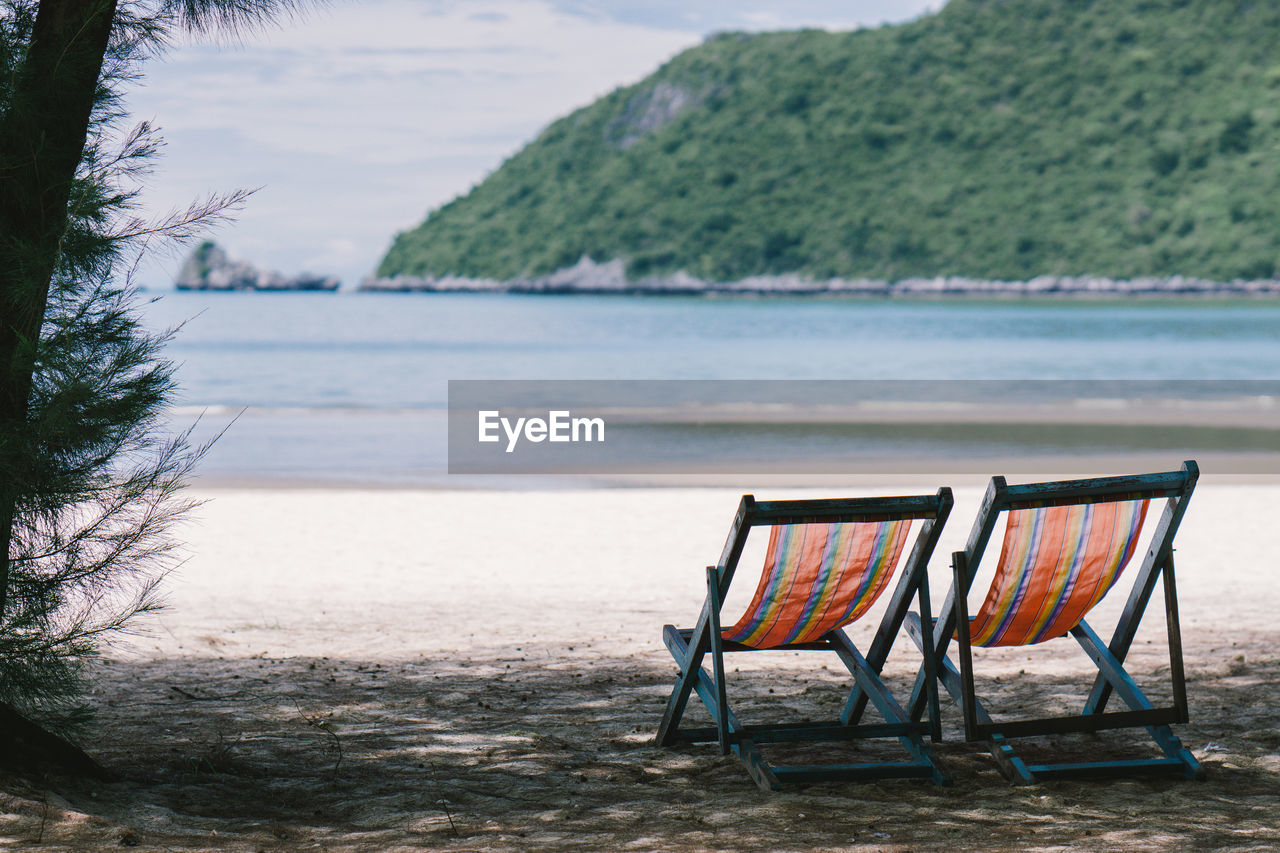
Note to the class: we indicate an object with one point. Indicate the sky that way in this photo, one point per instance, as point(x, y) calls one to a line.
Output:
point(354, 121)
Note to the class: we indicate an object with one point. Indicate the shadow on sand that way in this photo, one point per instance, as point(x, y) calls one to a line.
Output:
point(516, 752)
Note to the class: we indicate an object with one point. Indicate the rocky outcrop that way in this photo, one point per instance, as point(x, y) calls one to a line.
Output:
point(209, 268)
point(649, 111)
point(587, 276)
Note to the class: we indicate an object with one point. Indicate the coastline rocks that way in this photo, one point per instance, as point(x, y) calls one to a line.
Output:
point(209, 268)
point(589, 277)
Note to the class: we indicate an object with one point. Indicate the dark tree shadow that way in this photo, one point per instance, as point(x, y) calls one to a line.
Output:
point(512, 751)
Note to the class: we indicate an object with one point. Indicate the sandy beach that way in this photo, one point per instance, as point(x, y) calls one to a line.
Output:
point(348, 669)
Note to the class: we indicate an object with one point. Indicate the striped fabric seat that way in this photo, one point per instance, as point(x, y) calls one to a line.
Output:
point(1056, 564)
point(818, 577)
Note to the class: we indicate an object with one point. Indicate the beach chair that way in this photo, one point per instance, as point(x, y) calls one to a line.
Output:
point(827, 562)
point(1065, 546)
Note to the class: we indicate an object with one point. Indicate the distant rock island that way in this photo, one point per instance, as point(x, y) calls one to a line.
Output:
point(209, 268)
point(589, 277)
point(1032, 145)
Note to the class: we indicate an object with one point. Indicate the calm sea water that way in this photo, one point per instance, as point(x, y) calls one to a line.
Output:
point(351, 387)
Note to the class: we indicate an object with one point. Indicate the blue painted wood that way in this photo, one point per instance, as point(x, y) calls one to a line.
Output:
point(1007, 760)
point(968, 699)
point(1097, 489)
point(879, 696)
point(721, 710)
point(743, 747)
point(1073, 724)
point(930, 666)
point(845, 772)
point(1103, 768)
point(1174, 632)
point(831, 510)
point(1111, 669)
point(797, 732)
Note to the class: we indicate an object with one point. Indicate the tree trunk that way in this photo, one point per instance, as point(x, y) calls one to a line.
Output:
point(27, 746)
point(42, 137)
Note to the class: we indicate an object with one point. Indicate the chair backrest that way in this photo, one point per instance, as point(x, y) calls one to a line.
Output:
point(818, 577)
point(827, 561)
point(1065, 546)
point(1057, 562)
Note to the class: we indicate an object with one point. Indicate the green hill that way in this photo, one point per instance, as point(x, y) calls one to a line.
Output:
point(995, 139)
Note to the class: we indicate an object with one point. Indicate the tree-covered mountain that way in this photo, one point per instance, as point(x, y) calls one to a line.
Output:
point(995, 139)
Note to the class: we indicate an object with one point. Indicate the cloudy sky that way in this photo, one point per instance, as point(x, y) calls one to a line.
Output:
point(357, 120)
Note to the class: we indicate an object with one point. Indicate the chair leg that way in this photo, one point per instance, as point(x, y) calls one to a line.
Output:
point(914, 580)
point(1010, 764)
point(689, 659)
point(930, 666)
point(721, 702)
point(1124, 686)
point(746, 750)
point(1159, 556)
point(964, 651)
point(1017, 770)
point(767, 777)
point(876, 692)
point(918, 702)
point(680, 690)
point(1174, 630)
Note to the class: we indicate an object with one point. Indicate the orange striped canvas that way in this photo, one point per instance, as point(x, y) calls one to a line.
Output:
point(1056, 564)
point(818, 577)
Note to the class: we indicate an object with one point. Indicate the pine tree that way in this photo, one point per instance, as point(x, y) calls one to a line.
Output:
point(89, 481)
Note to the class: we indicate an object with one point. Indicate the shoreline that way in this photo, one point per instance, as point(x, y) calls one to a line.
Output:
point(741, 443)
point(590, 278)
point(1013, 297)
point(219, 484)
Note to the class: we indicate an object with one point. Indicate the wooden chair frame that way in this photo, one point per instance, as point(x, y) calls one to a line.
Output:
point(690, 646)
point(1157, 564)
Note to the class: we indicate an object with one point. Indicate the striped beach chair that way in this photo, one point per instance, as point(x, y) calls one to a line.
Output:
point(1066, 545)
point(827, 563)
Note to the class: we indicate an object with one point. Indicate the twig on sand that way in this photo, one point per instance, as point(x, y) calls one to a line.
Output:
point(443, 801)
point(44, 815)
point(316, 722)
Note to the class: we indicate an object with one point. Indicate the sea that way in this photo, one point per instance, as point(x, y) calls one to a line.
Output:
point(352, 388)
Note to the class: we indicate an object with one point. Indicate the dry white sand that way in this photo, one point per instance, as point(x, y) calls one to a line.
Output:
point(377, 670)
